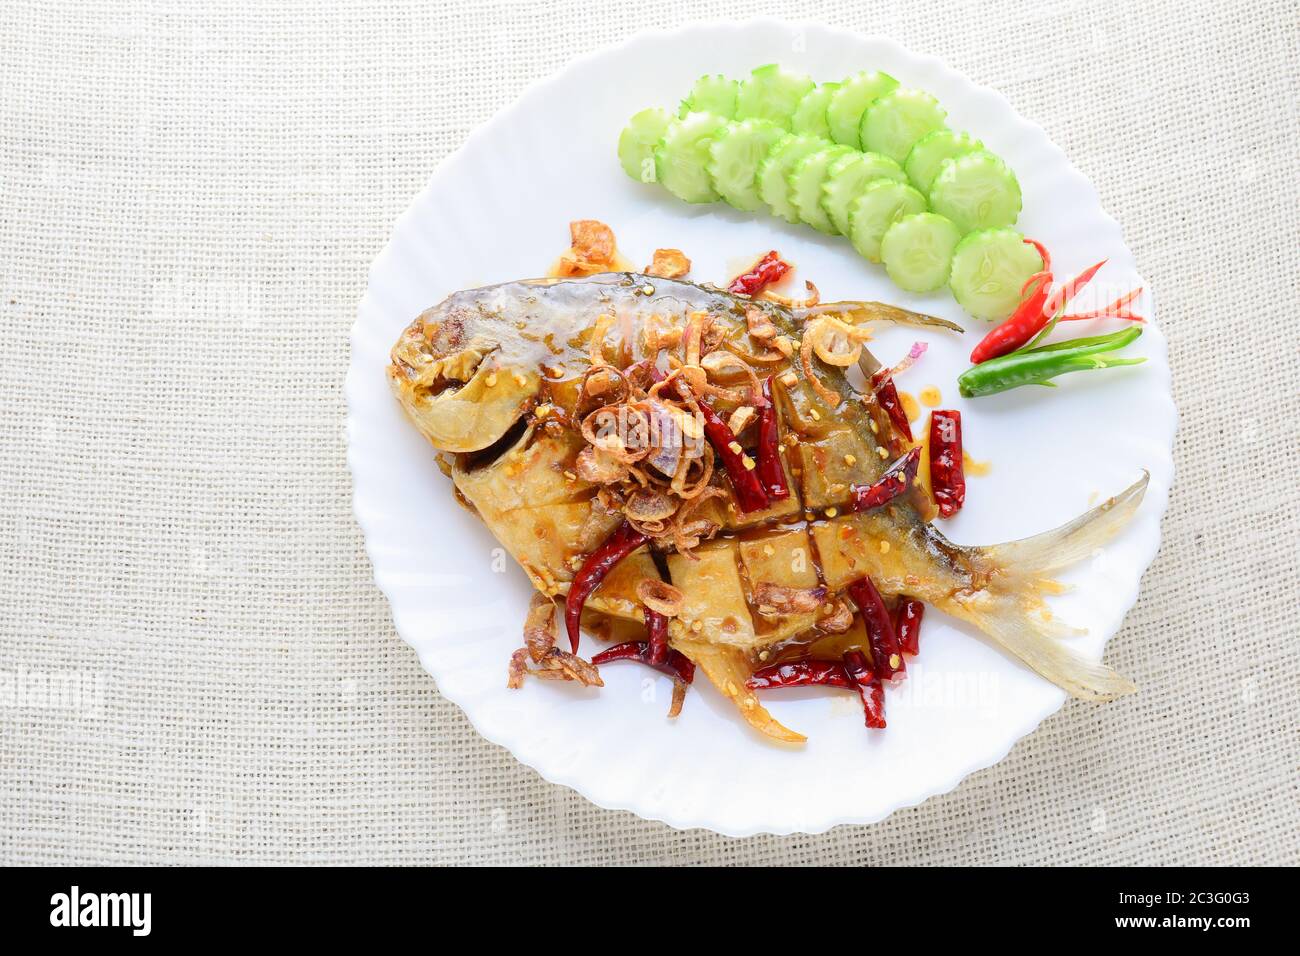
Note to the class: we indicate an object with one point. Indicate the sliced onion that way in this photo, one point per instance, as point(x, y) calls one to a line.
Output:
point(814, 298)
point(760, 325)
point(914, 353)
point(805, 359)
point(539, 627)
point(839, 620)
point(787, 600)
point(599, 466)
point(829, 331)
point(660, 596)
point(628, 422)
point(740, 418)
point(596, 347)
point(647, 505)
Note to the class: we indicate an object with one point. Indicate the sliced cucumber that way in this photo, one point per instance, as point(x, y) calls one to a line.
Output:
point(806, 179)
point(712, 93)
point(682, 156)
point(850, 101)
point(893, 123)
point(772, 93)
point(734, 157)
point(976, 191)
point(636, 144)
point(881, 204)
point(774, 172)
point(927, 156)
point(846, 179)
point(989, 267)
point(917, 251)
point(810, 115)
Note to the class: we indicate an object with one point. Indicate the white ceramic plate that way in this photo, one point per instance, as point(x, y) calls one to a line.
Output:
point(498, 209)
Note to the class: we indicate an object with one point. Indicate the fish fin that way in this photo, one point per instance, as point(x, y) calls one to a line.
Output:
point(1037, 642)
point(1072, 541)
point(727, 668)
point(855, 312)
point(1010, 608)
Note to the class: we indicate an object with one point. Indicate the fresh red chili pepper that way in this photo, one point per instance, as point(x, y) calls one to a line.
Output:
point(887, 396)
point(907, 624)
point(886, 655)
point(766, 271)
point(744, 482)
point(1036, 309)
point(1119, 309)
point(869, 686)
point(675, 664)
point(805, 672)
point(770, 471)
point(1023, 324)
point(598, 564)
point(1028, 318)
point(889, 485)
point(947, 473)
point(656, 626)
point(1067, 291)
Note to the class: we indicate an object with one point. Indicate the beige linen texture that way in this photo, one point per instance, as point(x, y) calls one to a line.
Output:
point(190, 197)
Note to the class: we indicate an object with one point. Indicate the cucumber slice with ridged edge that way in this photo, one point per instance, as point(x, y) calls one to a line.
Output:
point(893, 124)
point(734, 156)
point(806, 181)
point(682, 156)
point(927, 156)
point(989, 268)
point(810, 115)
point(846, 179)
point(637, 142)
point(976, 191)
point(772, 93)
point(774, 172)
point(917, 251)
point(881, 204)
point(850, 101)
point(712, 93)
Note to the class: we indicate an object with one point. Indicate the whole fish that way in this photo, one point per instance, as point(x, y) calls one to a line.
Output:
point(500, 377)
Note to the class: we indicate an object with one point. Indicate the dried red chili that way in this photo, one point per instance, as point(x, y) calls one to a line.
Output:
point(890, 485)
point(886, 655)
point(869, 686)
point(887, 396)
point(907, 624)
point(675, 663)
point(854, 671)
point(947, 472)
point(766, 271)
point(656, 626)
point(744, 482)
point(598, 564)
point(771, 474)
point(805, 672)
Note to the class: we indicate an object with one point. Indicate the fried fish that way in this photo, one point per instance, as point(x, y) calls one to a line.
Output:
point(510, 382)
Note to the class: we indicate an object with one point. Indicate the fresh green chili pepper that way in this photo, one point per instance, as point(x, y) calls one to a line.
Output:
point(1035, 366)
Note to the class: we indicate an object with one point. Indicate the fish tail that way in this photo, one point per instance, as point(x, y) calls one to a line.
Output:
point(1072, 541)
point(1010, 608)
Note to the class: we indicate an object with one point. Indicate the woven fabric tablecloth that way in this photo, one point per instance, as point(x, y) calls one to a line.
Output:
point(194, 663)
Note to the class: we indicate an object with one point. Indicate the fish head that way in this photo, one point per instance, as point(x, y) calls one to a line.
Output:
point(454, 373)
